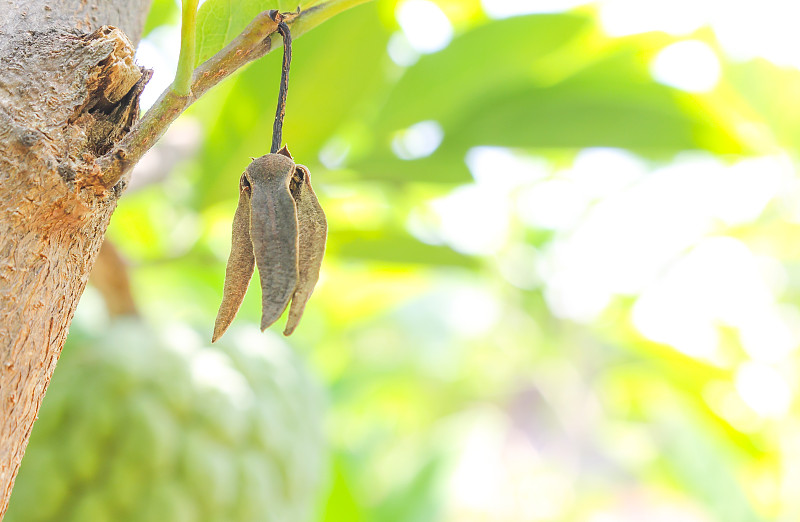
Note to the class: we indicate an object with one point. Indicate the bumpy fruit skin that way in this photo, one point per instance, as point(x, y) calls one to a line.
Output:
point(138, 427)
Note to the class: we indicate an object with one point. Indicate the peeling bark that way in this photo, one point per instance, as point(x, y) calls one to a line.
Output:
point(68, 91)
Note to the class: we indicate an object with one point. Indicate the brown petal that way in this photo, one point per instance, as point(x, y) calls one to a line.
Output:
point(273, 230)
point(240, 263)
point(313, 231)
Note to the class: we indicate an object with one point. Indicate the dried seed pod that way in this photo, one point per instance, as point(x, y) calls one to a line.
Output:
point(288, 255)
point(279, 226)
point(273, 230)
point(312, 233)
point(240, 263)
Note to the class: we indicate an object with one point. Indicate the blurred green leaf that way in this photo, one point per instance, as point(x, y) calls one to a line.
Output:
point(341, 504)
point(612, 103)
point(440, 85)
point(393, 247)
point(770, 101)
point(694, 451)
point(499, 85)
point(162, 12)
point(446, 166)
point(417, 500)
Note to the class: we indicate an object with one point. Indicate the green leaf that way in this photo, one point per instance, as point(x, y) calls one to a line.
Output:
point(567, 87)
point(219, 21)
point(475, 64)
point(613, 103)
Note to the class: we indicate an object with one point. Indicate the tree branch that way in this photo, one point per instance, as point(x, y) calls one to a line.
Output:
point(110, 276)
point(253, 43)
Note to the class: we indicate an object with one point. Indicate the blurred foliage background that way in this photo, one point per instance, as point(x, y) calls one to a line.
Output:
point(562, 278)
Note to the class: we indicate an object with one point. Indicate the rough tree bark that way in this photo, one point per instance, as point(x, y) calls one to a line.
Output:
point(65, 76)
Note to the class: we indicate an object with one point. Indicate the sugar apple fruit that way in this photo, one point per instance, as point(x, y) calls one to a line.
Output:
point(141, 427)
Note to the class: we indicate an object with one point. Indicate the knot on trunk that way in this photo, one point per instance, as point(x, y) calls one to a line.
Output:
point(113, 87)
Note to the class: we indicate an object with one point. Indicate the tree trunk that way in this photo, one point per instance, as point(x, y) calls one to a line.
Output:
point(68, 91)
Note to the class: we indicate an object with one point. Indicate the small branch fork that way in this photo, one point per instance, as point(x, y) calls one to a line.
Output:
point(253, 43)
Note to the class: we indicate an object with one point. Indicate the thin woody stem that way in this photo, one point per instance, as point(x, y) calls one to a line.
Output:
point(277, 127)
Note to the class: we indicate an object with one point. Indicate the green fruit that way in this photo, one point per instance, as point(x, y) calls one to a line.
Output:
point(138, 427)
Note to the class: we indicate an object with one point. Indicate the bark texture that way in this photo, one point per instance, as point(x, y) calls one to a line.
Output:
point(68, 91)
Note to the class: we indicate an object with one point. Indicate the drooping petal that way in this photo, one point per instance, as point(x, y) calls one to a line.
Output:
point(240, 263)
point(273, 230)
point(312, 233)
